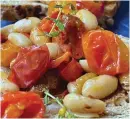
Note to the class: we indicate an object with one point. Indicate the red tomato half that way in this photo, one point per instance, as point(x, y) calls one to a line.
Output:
point(22, 105)
point(47, 24)
point(105, 52)
point(71, 71)
point(30, 64)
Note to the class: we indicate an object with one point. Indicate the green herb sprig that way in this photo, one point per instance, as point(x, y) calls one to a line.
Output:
point(57, 22)
point(63, 113)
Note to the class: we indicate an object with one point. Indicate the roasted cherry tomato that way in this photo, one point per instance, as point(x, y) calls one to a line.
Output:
point(67, 7)
point(8, 53)
point(74, 29)
point(30, 64)
point(96, 8)
point(71, 71)
point(46, 24)
point(105, 52)
point(22, 105)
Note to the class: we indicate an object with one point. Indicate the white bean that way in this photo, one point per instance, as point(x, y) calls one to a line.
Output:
point(4, 72)
point(78, 103)
point(84, 65)
point(100, 87)
point(5, 31)
point(81, 80)
point(19, 39)
point(54, 50)
point(5, 84)
point(38, 38)
point(26, 25)
point(72, 88)
point(88, 18)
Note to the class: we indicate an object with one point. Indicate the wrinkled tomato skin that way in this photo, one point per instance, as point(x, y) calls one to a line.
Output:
point(105, 52)
point(71, 71)
point(30, 64)
point(72, 36)
point(22, 105)
point(45, 25)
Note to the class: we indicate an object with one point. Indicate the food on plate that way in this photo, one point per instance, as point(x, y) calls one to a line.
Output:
point(5, 31)
point(84, 65)
point(20, 104)
point(101, 49)
point(64, 65)
point(79, 103)
point(97, 87)
point(19, 39)
point(26, 25)
point(34, 60)
point(104, 10)
point(5, 84)
point(38, 38)
point(89, 19)
point(9, 51)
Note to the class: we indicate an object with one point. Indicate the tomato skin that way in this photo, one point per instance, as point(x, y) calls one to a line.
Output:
point(47, 24)
point(30, 64)
point(22, 105)
point(8, 52)
point(71, 71)
point(64, 58)
point(105, 52)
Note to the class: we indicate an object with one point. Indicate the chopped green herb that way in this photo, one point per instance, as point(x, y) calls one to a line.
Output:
point(52, 34)
point(58, 23)
point(72, 6)
point(73, 12)
point(58, 6)
point(69, 115)
point(56, 99)
point(63, 113)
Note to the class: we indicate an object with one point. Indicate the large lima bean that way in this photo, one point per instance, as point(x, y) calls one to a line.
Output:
point(26, 24)
point(78, 103)
point(84, 65)
point(5, 84)
point(100, 87)
point(88, 18)
point(19, 39)
point(5, 31)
